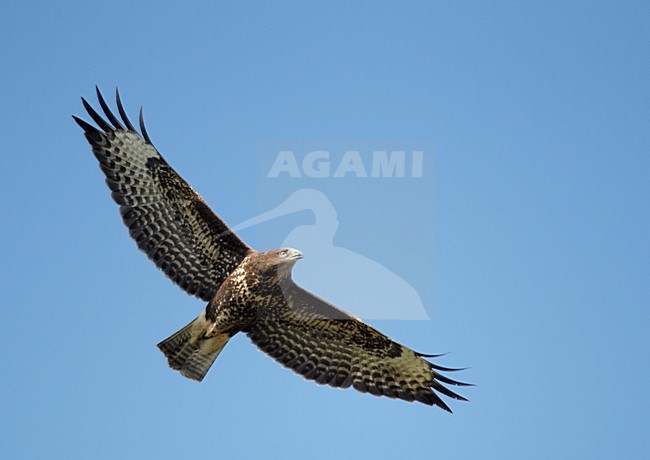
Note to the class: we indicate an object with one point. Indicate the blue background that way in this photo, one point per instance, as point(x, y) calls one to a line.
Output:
point(539, 115)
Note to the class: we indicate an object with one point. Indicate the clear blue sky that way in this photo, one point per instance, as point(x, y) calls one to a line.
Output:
point(537, 210)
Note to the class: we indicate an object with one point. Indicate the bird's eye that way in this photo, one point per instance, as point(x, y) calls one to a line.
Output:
point(283, 253)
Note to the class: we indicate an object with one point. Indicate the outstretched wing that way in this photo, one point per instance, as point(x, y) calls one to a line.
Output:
point(169, 221)
point(325, 344)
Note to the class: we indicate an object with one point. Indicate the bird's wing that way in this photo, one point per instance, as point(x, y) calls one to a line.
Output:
point(322, 343)
point(169, 221)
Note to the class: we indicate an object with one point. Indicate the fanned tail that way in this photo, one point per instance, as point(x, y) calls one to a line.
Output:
point(190, 351)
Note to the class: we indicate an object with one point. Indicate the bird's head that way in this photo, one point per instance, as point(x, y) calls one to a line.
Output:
point(278, 261)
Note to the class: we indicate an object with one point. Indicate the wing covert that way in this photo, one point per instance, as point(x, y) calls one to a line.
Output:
point(169, 221)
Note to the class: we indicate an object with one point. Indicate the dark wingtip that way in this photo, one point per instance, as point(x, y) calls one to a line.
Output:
point(87, 127)
point(464, 384)
point(434, 400)
point(456, 383)
point(103, 124)
point(143, 129)
point(120, 108)
point(422, 355)
point(437, 386)
point(107, 111)
point(437, 367)
point(446, 369)
point(441, 404)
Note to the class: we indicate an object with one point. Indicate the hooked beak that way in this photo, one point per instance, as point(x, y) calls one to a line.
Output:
point(295, 254)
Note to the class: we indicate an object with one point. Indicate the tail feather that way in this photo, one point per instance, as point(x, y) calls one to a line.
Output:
point(197, 365)
point(177, 344)
point(190, 351)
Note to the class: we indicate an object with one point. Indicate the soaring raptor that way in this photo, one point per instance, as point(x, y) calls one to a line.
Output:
point(246, 290)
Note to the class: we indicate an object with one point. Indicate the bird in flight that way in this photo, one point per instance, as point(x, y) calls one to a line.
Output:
point(247, 291)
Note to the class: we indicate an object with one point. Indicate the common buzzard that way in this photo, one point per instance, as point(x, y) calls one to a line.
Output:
point(246, 290)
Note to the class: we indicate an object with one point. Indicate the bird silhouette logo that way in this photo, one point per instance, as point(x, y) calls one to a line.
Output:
point(333, 271)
